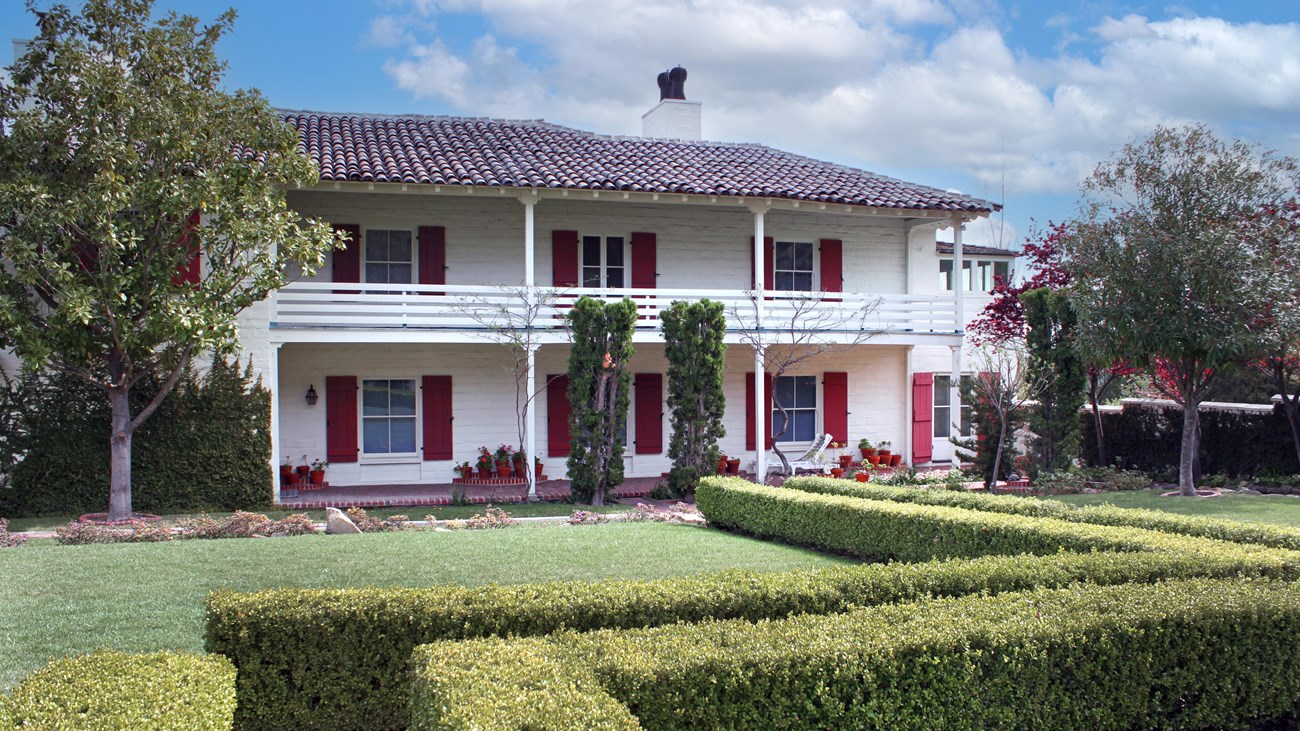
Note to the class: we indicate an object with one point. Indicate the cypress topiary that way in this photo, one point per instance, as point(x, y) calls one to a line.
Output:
point(693, 336)
point(599, 382)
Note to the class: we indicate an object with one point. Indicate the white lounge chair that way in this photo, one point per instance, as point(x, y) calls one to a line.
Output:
point(811, 460)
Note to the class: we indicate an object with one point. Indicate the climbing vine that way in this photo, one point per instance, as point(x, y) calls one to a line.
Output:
point(599, 382)
point(695, 351)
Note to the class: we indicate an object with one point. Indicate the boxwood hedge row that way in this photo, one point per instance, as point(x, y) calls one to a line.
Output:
point(336, 658)
point(109, 690)
point(883, 530)
point(1226, 530)
point(1183, 654)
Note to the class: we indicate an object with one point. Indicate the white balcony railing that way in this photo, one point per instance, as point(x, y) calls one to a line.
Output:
point(332, 305)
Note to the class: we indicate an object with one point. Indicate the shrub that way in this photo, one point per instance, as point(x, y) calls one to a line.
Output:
point(1277, 536)
point(1101, 658)
point(113, 690)
point(585, 517)
point(289, 677)
point(368, 524)
point(492, 518)
point(881, 530)
point(207, 447)
point(7, 539)
point(237, 525)
point(297, 524)
point(77, 533)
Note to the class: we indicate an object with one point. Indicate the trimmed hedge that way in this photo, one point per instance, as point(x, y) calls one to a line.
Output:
point(1276, 536)
point(336, 658)
point(109, 690)
point(208, 447)
point(1188, 654)
point(889, 531)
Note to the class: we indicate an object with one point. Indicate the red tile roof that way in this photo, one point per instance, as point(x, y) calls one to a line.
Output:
point(538, 154)
point(945, 247)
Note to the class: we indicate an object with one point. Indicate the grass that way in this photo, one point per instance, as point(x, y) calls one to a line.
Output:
point(1279, 509)
point(61, 600)
point(444, 512)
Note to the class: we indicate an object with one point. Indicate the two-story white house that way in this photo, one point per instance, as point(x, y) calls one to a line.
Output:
point(376, 366)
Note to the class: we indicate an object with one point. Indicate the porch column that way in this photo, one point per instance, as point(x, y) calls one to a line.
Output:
point(529, 201)
point(760, 381)
point(959, 293)
point(273, 380)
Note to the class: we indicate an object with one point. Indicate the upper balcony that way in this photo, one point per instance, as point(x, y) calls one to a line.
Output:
point(365, 312)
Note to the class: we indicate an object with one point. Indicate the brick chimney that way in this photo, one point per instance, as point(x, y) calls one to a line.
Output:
point(673, 117)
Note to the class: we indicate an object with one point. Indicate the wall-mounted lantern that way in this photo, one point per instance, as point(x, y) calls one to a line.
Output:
point(311, 395)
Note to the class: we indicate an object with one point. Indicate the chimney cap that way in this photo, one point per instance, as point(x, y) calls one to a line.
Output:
point(672, 84)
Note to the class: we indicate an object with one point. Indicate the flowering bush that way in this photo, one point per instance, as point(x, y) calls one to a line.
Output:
point(583, 517)
point(494, 518)
point(7, 539)
point(298, 524)
point(368, 524)
point(77, 533)
point(239, 524)
point(484, 458)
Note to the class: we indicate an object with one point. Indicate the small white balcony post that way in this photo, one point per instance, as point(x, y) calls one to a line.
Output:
point(273, 378)
point(959, 294)
point(760, 371)
point(530, 298)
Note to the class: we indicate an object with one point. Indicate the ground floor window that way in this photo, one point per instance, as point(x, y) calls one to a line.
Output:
point(798, 394)
point(943, 408)
point(388, 416)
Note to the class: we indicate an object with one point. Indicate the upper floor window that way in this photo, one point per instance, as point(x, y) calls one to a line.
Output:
point(978, 275)
point(388, 416)
point(388, 255)
point(798, 394)
point(603, 261)
point(793, 267)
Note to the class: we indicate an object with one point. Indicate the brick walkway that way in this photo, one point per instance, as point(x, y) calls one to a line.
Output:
point(376, 496)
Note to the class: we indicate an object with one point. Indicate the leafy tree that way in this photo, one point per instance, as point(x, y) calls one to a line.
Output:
point(998, 394)
point(599, 381)
point(1166, 266)
point(693, 337)
point(1054, 362)
point(116, 133)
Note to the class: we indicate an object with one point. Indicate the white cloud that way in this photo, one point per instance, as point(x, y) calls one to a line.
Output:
point(885, 84)
point(388, 31)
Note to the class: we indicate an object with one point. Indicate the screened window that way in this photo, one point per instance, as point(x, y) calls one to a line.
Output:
point(798, 394)
point(603, 261)
point(943, 408)
point(793, 267)
point(388, 256)
point(388, 416)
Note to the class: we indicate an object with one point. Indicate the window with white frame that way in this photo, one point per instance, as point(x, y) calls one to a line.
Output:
point(792, 268)
point(943, 408)
point(389, 255)
point(603, 261)
point(978, 275)
point(798, 394)
point(388, 416)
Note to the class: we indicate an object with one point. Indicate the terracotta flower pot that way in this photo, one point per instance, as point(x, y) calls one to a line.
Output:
point(503, 470)
point(485, 473)
point(867, 452)
point(733, 466)
point(289, 478)
point(845, 459)
point(862, 476)
point(722, 465)
point(303, 472)
point(884, 455)
point(873, 459)
point(895, 460)
point(466, 473)
point(837, 472)
point(318, 477)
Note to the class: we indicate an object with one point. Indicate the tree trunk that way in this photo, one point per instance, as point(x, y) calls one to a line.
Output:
point(1093, 397)
point(1186, 461)
point(119, 491)
point(997, 454)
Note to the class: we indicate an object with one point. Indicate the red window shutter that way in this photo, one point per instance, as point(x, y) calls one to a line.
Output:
point(922, 417)
point(769, 263)
point(644, 260)
point(341, 419)
point(432, 253)
point(347, 262)
point(750, 441)
point(832, 265)
point(189, 273)
point(649, 391)
point(557, 416)
point(436, 395)
point(564, 261)
point(835, 402)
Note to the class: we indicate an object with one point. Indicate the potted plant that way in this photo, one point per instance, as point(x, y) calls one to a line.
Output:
point(287, 475)
point(318, 472)
point(863, 473)
point(895, 460)
point(883, 450)
point(304, 470)
point(520, 459)
point(733, 465)
point(722, 464)
point(866, 447)
point(837, 472)
point(844, 459)
point(504, 455)
point(484, 463)
point(464, 469)
point(538, 468)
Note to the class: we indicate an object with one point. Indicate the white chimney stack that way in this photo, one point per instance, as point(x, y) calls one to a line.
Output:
point(673, 117)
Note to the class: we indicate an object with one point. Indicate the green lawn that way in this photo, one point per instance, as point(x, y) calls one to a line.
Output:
point(59, 600)
point(1259, 508)
point(445, 512)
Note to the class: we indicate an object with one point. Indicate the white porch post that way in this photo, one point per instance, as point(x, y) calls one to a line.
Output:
point(273, 379)
point(530, 293)
point(958, 289)
point(760, 381)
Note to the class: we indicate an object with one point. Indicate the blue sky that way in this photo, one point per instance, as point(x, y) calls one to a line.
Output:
point(1014, 102)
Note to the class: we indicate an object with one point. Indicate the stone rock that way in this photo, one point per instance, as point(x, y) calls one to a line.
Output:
point(689, 518)
point(1248, 491)
point(336, 522)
